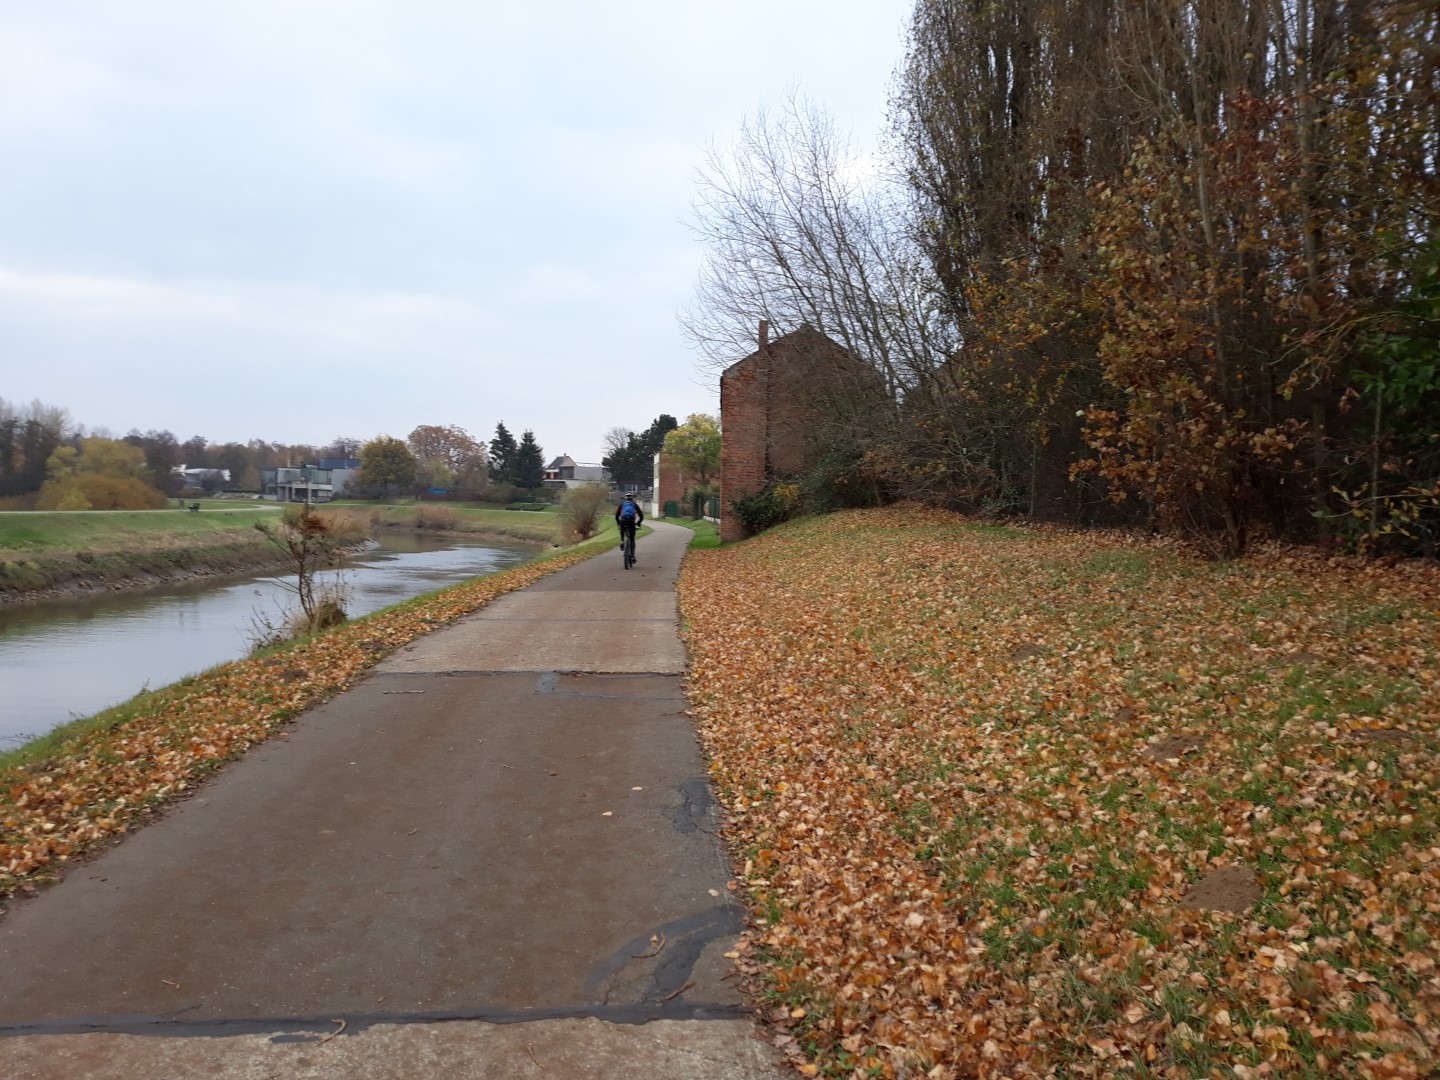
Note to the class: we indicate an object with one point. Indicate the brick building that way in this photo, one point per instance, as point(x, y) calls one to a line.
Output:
point(669, 484)
point(774, 404)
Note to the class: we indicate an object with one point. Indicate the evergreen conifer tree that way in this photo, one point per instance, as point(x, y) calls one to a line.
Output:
point(502, 456)
point(529, 464)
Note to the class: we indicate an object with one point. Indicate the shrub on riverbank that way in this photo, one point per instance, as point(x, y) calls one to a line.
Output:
point(310, 541)
point(436, 516)
point(991, 789)
point(580, 510)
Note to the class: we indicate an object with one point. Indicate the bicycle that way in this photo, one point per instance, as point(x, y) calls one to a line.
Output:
point(627, 546)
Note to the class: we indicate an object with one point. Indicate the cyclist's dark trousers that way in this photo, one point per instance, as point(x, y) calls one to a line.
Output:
point(627, 528)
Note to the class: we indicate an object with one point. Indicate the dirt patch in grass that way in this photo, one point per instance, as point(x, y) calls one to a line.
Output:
point(1173, 746)
point(1233, 889)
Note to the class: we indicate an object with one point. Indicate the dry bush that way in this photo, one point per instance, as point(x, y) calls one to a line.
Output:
point(580, 511)
point(313, 541)
point(347, 527)
point(432, 516)
point(327, 609)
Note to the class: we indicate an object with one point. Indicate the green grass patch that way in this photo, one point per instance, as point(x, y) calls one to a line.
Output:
point(707, 533)
point(985, 531)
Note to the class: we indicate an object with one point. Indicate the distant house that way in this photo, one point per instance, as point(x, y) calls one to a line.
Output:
point(344, 473)
point(298, 483)
point(566, 472)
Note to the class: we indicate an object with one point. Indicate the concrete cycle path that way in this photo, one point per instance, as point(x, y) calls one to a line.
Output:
point(494, 857)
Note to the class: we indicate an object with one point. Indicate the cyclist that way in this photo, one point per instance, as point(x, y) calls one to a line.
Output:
point(628, 516)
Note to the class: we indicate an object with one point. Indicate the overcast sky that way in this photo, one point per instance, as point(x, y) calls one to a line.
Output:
point(304, 219)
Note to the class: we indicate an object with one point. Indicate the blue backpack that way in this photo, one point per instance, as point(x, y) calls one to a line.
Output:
point(627, 511)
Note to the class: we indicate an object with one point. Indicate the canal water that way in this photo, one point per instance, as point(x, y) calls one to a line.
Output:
point(72, 658)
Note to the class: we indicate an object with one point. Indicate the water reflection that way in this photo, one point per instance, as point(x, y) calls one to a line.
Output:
point(73, 658)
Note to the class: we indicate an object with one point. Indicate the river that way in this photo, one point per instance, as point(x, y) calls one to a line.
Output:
point(72, 658)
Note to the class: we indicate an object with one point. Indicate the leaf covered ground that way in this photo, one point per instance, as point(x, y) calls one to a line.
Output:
point(112, 772)
point(972, 773)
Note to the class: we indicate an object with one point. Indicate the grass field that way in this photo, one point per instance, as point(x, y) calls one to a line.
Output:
point(534, 526)
point(1028, 802)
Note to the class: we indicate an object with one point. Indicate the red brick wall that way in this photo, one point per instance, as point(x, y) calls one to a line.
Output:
point(744, 393)
point(672, 482)
point(769, 404)
point(806, 370)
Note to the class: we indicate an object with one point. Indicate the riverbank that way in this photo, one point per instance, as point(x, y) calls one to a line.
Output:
point(52, 556)
point(125, 641)
point(1029, 801)
point(95, 778)
point(56, 577)
point(535, 527)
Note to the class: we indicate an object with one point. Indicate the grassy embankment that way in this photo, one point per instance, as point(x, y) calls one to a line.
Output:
point(98, 777)
point(974, 772)
point(540, 527)
point(43, 550)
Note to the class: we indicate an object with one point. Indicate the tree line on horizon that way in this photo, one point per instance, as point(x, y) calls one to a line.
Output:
point(48, 461)
point(1164, 262)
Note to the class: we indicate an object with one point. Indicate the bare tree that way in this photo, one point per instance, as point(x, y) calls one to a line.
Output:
point(617, 439)
point(800, 230)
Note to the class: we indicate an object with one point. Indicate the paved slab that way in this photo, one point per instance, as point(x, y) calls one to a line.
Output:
point(505, 829)
point(542, 1050)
